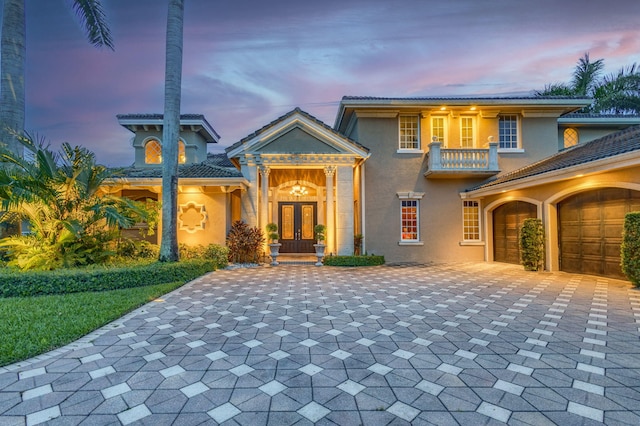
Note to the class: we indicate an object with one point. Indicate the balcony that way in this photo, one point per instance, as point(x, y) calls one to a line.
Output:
point(461, 163)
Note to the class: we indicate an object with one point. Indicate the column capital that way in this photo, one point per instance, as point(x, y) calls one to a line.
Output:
point(330, 171)
point(264, 170)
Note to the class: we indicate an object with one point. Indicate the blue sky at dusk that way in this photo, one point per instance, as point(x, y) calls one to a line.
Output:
point(248, 62)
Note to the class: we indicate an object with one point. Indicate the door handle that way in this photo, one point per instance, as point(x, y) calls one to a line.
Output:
point(298, 235)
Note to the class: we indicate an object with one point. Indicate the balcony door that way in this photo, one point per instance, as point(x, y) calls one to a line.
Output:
point(297, 220)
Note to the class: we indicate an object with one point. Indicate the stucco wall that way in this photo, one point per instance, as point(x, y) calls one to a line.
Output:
point(386, 174)
point(215, 227)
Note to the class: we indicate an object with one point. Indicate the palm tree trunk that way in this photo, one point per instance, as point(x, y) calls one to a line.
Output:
point(171, 132)
point(12, 65)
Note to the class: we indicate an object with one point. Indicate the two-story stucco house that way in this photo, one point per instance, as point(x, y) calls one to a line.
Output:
point(423, 179)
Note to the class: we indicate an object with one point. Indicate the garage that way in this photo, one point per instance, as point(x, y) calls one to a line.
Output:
point(590, 230)
point(507, 220)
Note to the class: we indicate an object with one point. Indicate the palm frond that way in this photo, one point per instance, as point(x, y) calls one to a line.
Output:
point(94, 22)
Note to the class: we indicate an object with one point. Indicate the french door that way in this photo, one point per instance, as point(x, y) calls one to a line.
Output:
point(297, 220)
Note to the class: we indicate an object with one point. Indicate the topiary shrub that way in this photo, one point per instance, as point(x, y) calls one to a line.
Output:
point(630, 248)
point(245, 243)
point(532, 244)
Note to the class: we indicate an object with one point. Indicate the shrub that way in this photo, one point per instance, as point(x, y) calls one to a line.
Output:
point(532, 244)
point(320, 230)
point(35, 283)
point(214, 252)
point(272, 231)
point(368, 260)
point(245, 243)
point(630, 248)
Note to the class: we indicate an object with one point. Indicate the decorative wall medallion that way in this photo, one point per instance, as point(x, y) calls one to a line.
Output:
point(192, 217)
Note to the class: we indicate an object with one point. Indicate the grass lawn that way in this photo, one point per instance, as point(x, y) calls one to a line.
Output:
point(30, 326)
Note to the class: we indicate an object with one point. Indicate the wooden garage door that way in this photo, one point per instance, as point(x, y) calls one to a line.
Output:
point(507, 219)
point(590, 227)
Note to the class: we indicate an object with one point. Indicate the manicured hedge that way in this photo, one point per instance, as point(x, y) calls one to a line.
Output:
point(630, 249)
point(36, 283)
point(369, 260)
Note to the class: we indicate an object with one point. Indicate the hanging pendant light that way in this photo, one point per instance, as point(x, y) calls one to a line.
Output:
point(298, 190)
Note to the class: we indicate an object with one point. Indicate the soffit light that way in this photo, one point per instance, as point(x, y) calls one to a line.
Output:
point(298, 190)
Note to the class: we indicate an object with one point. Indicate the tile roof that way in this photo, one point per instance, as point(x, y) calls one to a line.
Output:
point(618, 143)
point(215, 166)
point(284, 117)
point(159, 117)
point(464, 98)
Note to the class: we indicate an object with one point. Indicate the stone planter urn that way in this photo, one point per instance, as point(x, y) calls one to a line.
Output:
point(319, 253)
point(274, 252)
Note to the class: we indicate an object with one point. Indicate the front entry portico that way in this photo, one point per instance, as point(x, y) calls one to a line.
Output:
point(297, 150)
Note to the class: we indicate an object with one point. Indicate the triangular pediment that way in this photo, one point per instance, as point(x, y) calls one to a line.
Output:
point(296, 133)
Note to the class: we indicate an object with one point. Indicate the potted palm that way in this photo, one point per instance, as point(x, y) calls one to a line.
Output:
point(319, 230)
point(274, 246)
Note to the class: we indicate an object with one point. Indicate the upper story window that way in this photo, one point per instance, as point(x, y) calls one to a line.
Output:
point(153, 152)
point(409, 132)
point(438, 130)
point(570, 137)
point(467, 132)
point(508, 131)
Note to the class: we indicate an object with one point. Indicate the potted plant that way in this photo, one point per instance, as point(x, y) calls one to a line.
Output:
point(319, 231)
point(274, 246)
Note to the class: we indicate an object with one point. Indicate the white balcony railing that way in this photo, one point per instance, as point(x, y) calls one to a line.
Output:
point(462, 161)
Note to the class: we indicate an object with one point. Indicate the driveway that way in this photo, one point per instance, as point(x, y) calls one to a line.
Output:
point(427, 344)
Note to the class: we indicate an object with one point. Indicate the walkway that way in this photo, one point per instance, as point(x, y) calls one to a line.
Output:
point(446, 344)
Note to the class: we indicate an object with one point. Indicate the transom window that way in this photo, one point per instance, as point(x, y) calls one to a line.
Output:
point(470, 220)
point(409, 132)
point(508, 131)
point(467, 132)
point(438, 130)
point(570, 137)
point(409, 220)
point(153, 152)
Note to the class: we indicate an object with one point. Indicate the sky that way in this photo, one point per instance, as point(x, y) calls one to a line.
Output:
point(247, 62)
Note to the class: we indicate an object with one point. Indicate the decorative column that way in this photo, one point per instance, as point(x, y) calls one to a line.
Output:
point(250, 198)
point(264, 198)
point(329, 172)
point(344, 210)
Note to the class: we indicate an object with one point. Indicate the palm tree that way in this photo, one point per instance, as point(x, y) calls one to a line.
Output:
point(12, 60)
point(171, 132)
point(617, 93)
point(71, 221)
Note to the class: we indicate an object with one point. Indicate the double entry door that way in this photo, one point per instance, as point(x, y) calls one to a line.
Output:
point(296, 223)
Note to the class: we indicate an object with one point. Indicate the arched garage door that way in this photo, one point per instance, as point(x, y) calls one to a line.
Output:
point(507, 219)
point(590, 230)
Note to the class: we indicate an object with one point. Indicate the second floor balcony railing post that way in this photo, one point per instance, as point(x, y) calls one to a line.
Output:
point(493, 156)
point(435, 156)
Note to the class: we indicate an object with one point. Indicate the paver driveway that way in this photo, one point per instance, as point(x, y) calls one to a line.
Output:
point(444, 344)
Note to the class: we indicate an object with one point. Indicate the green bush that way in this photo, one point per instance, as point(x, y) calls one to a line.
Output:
point(245, 243)
point(532, 244)
point(630, 248)
point(367, 260)
point(214, 252)
point(35, 283)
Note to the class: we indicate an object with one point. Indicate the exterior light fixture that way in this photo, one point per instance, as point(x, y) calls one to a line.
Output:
point(298, 190)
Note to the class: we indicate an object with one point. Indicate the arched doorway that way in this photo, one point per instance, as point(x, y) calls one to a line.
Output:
point(507, 220)
point(590, 230)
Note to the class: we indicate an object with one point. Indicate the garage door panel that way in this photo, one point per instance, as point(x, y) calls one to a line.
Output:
point(507, 220)
point(590, 230)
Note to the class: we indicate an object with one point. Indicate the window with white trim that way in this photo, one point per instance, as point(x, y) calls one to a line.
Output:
point(410, 223)
point(570, 137)
point(409, 131)
point(470, 220)
point(467, 132)
point(508, 131)
point(438, 130)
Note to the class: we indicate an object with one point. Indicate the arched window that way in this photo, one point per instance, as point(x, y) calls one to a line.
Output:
point(182, 156)
point(153, 152)
point(570, 137)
